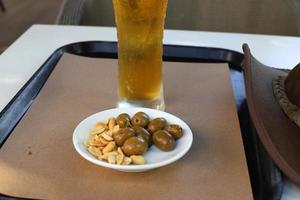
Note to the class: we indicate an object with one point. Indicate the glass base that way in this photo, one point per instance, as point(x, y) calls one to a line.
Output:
point(158, 104)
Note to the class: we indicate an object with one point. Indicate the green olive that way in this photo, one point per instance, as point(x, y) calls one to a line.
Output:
point(141, 132)
point(135, 146)
point(163, 140)
point(123, 120)
point(122, 135)
point(175, 130)
point(140, 119)
point(156, 124)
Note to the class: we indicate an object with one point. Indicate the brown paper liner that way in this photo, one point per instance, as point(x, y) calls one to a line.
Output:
point(39, 160)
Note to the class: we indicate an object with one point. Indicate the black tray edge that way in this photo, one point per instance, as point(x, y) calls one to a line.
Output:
point(17, 107)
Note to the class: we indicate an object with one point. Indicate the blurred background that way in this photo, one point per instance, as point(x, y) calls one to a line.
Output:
point(275, 17)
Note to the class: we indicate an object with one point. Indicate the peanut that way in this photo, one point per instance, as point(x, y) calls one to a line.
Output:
point(95, 151)
point(115, 129)
point(100, 125)
point(138, 160)
point(120, 159)
point(96, 143)
point(103, 141)
point(97, 130)
point(111, 159)
point(103, 157)
point(108, 132)
point(120, 151)
point(111, 123)
point(114, 153)
point(86, 143)
point(126, 161)
point(109, 147)
point(106, 121)
point(107, 137)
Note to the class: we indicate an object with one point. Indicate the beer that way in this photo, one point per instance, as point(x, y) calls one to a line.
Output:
point(140, 25)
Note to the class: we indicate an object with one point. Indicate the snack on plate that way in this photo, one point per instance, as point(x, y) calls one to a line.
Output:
point(124, 140)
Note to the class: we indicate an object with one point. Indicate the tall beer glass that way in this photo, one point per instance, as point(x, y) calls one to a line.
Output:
point(140, 25)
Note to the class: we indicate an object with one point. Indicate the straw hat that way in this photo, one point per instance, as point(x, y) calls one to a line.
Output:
point(273, 98)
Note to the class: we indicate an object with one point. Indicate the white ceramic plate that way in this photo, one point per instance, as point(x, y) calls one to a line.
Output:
point(154, 157)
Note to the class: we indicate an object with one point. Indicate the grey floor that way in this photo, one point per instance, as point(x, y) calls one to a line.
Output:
point(21, 14)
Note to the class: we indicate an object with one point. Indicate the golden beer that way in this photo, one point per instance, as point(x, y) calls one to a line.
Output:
point(140, 25)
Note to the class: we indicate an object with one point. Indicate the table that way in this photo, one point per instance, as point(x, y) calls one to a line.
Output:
point(26, 54)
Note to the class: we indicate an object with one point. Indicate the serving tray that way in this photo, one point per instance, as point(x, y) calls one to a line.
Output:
point(265, 177)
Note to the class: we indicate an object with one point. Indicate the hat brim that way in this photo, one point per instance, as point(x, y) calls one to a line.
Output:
point(279, 135)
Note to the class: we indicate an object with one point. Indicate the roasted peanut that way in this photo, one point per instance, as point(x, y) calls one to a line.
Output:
point(138, 160)
point(96, 143)
point(106, 136)
point(109, 132)
point(86, 143)
point(95, 151)
point(126, 161)
point(111, 159)
point(103, 141)
point(120, 159)
point(120, 151)
point(98, 130)
point(111, 123)
point(115, 129)
point(100, 124)
point(109, 147)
